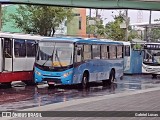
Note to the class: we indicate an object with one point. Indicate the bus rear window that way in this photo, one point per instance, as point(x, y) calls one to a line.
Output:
point(127, 51)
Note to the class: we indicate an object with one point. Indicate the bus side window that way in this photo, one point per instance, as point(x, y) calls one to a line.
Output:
point(119, 52)
point(96, 51)
point(19, 48)
point(127, 50)
point(31, 48)
point(87, 52)
point(112, 51)
point(79, 53)
point(7, 48)
point(104, 52)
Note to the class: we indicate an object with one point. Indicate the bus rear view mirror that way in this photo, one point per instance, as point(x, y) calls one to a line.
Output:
point(79, 51)
point(141, 52)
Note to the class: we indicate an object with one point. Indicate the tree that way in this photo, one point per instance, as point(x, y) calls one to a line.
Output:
point(40, 20)
point(4, 16)
point(155, 34)
point(96, 29)
point(113, 30)
point(134, 34)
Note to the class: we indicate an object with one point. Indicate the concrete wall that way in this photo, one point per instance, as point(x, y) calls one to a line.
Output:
point(73, 26)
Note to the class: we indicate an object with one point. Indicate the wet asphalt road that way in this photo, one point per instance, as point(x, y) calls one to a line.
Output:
point(21, 97)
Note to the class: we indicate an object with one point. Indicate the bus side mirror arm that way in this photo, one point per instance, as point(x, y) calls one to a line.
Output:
point(141, 52)
point(78, 52)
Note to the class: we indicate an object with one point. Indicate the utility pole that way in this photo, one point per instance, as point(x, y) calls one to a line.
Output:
point(150, 26)
point(89, 22)
point(96, 20)
point(96, 13)
point(127, 24)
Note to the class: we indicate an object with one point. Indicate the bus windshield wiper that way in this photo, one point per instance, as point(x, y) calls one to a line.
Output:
point(58, 59)
point(50, 56)
point(53, 53)
point(45, 62)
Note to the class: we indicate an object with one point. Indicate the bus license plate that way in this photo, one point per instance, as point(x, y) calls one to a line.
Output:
point(51, 83)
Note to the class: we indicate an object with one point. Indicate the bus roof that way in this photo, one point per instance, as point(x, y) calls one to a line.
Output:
point(22, 36)
point(82, 40)
point(153, 43)
point(125, 43)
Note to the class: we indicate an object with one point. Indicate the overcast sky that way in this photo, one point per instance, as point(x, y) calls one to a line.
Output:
point(106, 15)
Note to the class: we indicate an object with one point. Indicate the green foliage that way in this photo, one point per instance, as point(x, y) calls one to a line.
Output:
point(155, 34)
point(97, 29)
point(137, 47)
point(4, 17)
point(133, 34)
point(113, 30)
point(40, 20)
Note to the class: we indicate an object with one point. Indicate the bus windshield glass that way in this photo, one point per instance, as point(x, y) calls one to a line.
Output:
point(152, 55)
point(55, 54)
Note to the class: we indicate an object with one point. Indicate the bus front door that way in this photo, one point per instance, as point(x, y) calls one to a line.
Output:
point(7, 55)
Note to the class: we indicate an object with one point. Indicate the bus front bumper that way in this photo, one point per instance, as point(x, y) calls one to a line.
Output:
point(59, 79)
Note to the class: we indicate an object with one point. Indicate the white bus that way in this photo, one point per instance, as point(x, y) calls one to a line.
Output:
point(151, 61)
point(17, 56)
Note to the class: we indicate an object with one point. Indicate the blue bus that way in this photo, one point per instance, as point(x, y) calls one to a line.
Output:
point(62, 61)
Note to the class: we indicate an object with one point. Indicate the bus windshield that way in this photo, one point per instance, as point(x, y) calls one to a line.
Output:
point(55, 54)
point(152, 56)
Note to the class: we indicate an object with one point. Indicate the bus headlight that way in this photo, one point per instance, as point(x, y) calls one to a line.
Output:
point(38, 73)
point(67, 74)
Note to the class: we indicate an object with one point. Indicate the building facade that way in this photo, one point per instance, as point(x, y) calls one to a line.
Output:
point(76, 27)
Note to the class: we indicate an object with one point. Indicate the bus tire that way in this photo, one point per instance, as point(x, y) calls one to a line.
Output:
point(85, 80)
point(111, 76)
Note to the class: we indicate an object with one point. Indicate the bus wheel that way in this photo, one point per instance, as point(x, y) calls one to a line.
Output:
point(84, 83)
point(111, 76)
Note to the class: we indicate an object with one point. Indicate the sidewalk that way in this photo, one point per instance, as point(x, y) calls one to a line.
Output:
point(142, 100)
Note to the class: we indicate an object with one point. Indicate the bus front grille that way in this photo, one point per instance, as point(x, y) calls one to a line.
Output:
point(51, 76)
point(52, 80)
